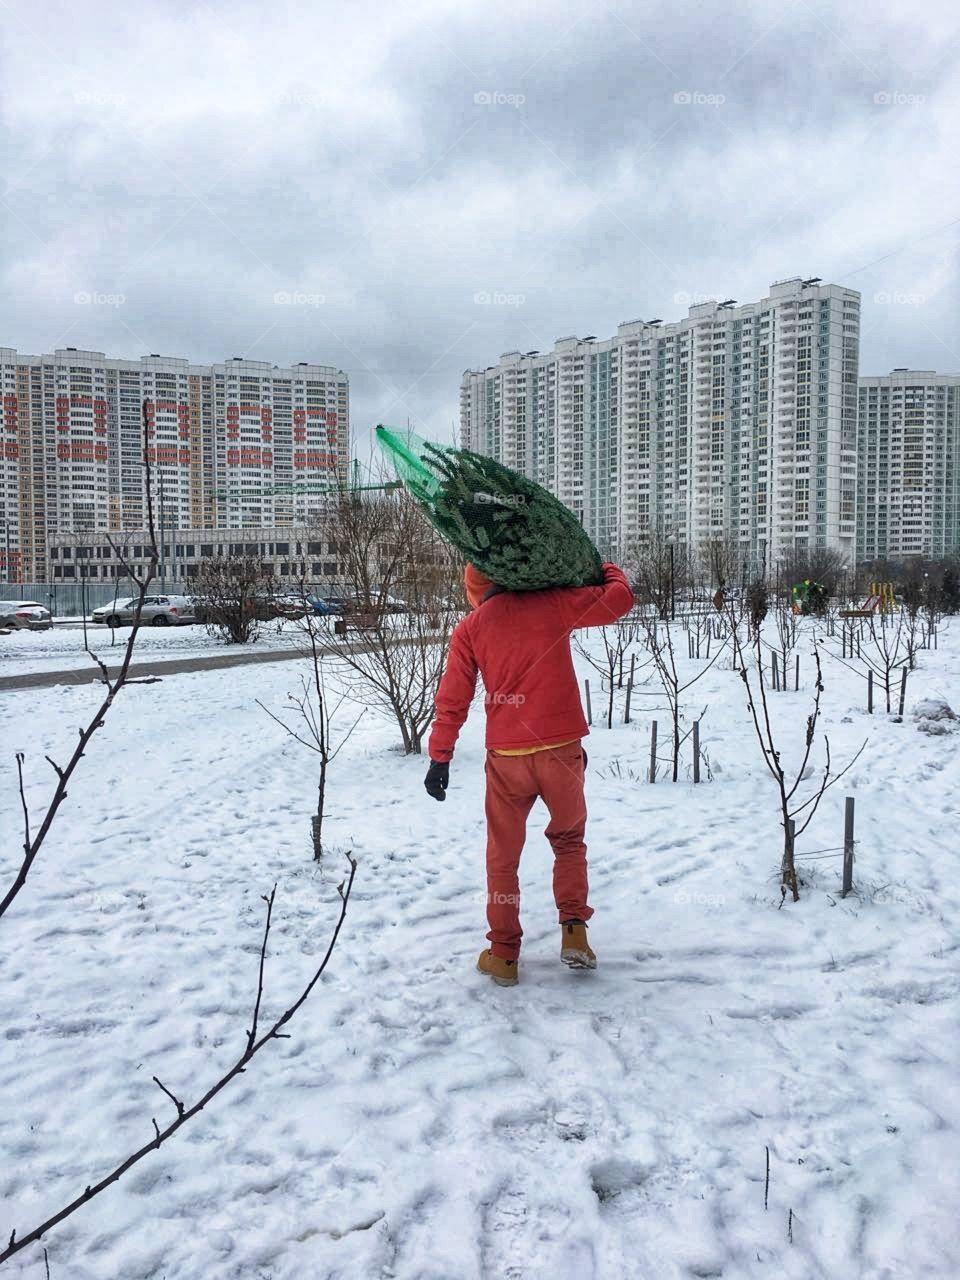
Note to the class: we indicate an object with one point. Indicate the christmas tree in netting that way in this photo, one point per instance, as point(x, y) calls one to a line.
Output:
point(511, 529)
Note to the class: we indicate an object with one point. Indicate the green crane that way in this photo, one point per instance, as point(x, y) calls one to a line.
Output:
point(272, 490)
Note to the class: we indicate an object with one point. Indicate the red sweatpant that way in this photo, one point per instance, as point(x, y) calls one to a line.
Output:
point(513, 784)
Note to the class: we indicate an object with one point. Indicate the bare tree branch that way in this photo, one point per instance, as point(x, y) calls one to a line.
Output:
point(32, 847)
point(252, 1033)
point(173, 1098)
point(187, 1113)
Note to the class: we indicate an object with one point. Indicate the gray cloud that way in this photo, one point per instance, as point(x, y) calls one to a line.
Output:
point(382, 166)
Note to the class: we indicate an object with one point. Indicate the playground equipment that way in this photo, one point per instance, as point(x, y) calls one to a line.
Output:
point(881, 598)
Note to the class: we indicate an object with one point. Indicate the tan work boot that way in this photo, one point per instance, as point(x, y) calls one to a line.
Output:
point(574, 949)
point(503, 972)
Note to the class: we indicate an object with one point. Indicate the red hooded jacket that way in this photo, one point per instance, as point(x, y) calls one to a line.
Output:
point(519, 642)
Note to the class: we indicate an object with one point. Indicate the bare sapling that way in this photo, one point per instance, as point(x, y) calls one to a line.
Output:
point(787, 627)
point(316, 717)
point(659, 643)
point(255, 1040)
point(753, 672)
point(33, 839)
point(405, 593)
point(884, 651)
point(700, 630)
point(617, 642)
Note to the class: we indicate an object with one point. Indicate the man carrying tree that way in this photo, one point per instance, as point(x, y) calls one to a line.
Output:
point(519, 643)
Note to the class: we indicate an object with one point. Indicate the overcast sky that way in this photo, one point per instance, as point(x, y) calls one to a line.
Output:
point(407, 190)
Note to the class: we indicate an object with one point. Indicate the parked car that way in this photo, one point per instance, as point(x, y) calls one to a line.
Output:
point(157, 611)
point(373, 603)
point(291, 606)
point(323, 607)
point(25, 615)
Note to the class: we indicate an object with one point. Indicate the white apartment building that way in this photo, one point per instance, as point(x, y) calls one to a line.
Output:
point(908, 465)
point(736, 423)
point(243, 443)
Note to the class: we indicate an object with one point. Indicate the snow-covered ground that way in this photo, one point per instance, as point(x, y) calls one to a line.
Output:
point(422, 1122)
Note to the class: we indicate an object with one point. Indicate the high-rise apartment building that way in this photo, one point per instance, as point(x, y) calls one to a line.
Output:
point(736, 424)
point(908, 466)
point(243, 443)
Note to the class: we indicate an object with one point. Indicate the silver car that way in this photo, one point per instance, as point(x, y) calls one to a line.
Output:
point(24, 615)
point(157, 611)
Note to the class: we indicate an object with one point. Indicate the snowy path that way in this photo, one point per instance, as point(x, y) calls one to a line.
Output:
point(421, 1122)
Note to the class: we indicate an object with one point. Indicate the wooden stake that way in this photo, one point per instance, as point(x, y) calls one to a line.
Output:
point(796, 678)
point(653, 752)
point(696, 750)
point(847, 848)
point(903, 691)
point(586, 689)
point(626, 712)
point(870, 691)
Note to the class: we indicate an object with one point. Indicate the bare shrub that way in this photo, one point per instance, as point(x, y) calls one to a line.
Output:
point(231, 593)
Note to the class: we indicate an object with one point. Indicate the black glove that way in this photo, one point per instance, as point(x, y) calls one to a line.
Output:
point(437, 779)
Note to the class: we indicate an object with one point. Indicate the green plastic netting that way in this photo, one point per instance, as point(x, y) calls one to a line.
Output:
point(512, 529)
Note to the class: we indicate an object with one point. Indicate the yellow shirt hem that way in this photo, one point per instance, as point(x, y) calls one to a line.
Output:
point(529, 751)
